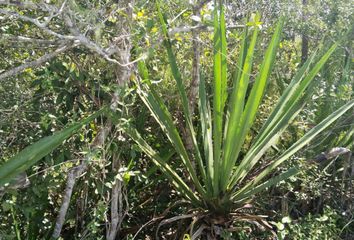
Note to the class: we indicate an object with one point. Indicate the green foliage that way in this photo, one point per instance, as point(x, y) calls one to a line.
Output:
point(312, 227)
point(42, 100)
point(35, 152)
point(214, 191)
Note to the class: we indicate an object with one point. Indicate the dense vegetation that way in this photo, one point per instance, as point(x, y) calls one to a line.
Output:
point(176, 119)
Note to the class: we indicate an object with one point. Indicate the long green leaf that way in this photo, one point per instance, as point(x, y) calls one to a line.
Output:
point(289, 96)
point(179, 184)
point(206, 125)
point(35, 152)
point(254, 100)
point(270, 182)
point(237, 101)
point(182, 92)
point(164, 118)
point(242, 56)
point(294, 91)
point(220, 94)
point(261, 81)
point(254, 154)
point(276, 123)
point(286, 109)
point(298, 145)
point(237, 76)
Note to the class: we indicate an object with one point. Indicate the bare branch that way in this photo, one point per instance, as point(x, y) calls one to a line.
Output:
point(94, 47)
point(76, 36)
point(194, 84)
point(17, 70)
point(55, 14)
point(118, 209)
point(16, 39)
point(73, 174)
point(332, 153)
point(103, 53)
point(37, 23)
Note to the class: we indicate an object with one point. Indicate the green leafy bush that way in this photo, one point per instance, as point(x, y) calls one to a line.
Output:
point(312, 227)
point(223, 179)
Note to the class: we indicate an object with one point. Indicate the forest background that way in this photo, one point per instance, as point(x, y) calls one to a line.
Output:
point(63, 63)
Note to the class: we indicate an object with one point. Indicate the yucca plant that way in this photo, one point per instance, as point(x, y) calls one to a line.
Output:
point(220, 177)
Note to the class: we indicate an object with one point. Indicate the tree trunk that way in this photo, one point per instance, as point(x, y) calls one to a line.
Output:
point(118, 205)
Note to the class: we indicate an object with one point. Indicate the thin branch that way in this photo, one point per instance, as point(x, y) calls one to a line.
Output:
point(55, 14)
point(200, 5)
point(17, 70)
point(194, 84)
point(178, 15)
point(118, 211)
point(97, 49)
point(332, 153)
point(76, 36)
point(116, 205)
point(16, 39)
point(118, 208)
point(94, 47)
point(73, 174)
point(37, 23)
